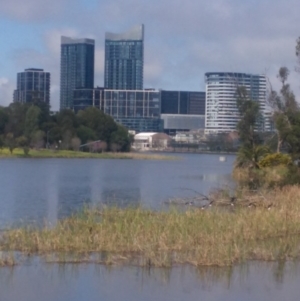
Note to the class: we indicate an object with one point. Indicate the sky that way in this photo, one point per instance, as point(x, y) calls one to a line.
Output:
point(183, 39)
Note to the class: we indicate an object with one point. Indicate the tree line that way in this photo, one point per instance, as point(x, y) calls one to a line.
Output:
point(33, 125)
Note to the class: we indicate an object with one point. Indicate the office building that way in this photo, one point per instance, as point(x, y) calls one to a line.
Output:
point(76, 68)
point(182, 102)
point(182, 111)
point(124, 59)
point(32, 85)
point(137, 110)
point(175, 123)
point(222, 114)
point(84, 98)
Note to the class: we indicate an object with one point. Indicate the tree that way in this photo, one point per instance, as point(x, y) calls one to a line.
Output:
point(121, 139)
point(3, 120)
point(37, 139)
point(285, 111)
point(22, 142)
point(249, 123)
point(103, 125)
point(17, 115)
point(298, 54)
point(75, 143)
point(10, 142)
point(86, 134)
point(32, 121)
point(1, 143)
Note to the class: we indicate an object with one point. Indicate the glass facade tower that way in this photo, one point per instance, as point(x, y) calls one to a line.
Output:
point(32, 84)
point(182, 102)
point(76, 68)
point(124, 59)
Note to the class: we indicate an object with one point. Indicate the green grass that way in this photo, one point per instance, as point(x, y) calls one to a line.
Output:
point(214, 237)
point(45, 153)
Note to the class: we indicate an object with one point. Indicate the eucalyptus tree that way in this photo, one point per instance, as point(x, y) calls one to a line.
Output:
point(286, 113)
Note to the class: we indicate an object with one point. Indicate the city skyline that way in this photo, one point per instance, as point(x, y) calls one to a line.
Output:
point(225, 36)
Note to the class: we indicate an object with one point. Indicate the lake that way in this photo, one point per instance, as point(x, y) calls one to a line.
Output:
point(45, 190)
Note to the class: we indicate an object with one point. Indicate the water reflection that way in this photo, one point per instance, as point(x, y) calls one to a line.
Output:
point(252, 281)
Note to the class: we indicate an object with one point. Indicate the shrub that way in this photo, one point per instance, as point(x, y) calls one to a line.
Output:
point(275, 159)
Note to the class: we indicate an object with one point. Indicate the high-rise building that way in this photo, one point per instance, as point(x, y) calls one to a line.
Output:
point(138, 110)
point(182, 102)
point(124, 59)
point(76, 68)
point(32, 85)
point(222, 114)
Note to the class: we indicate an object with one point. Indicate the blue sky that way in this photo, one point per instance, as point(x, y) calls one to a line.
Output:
point(183, 39)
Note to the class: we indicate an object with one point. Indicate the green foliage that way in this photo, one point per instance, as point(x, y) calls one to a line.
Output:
point(250, 117)
point(37, 140)
point(35, 122)
point(86, 134)
point(32, 121)
point(22, 142)
point(16, 123)
point(3, 120)
point(275, 159)
point(250, 158)
point(1, 143)
point(121, 139)
point(254, 167)
point(103, 125)
point(10, 142)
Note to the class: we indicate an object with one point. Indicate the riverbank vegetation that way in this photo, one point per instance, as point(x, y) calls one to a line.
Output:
point(260, 226)
point(69, 154)
point(274, 161)
point(32, 126)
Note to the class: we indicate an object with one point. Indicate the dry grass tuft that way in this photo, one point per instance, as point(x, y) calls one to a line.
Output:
point(7, 260)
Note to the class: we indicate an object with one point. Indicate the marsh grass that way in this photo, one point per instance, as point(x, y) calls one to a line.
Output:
point(7, 259)
point(47, 153)
point(198, 237)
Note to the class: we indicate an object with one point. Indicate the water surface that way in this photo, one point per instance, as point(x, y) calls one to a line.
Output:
point(52, 282)
point(43, 190)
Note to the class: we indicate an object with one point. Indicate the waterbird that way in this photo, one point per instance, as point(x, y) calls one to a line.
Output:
point(251, 205)
point(269, 206)
point(210, 204)
point(203, 207)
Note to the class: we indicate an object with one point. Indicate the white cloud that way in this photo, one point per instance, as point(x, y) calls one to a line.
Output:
point(33, 10)
point(183, 40)
point(6, 89)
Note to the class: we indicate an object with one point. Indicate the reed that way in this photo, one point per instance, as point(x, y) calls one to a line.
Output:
point(7, 260)
point(270, 230)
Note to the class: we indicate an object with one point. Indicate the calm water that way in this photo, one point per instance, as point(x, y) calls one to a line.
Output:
point(38, 190)
point(257, 281)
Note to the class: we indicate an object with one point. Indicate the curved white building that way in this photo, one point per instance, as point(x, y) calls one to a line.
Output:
point(221, 114)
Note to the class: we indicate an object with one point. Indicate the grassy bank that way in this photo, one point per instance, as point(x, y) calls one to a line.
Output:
point(269, 230)
point(45, 153)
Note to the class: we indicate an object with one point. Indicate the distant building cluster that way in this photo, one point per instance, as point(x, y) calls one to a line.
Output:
point(124, 98)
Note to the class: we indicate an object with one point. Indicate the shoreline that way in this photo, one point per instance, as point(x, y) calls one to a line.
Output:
point(268, 230)
point(64, 154)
